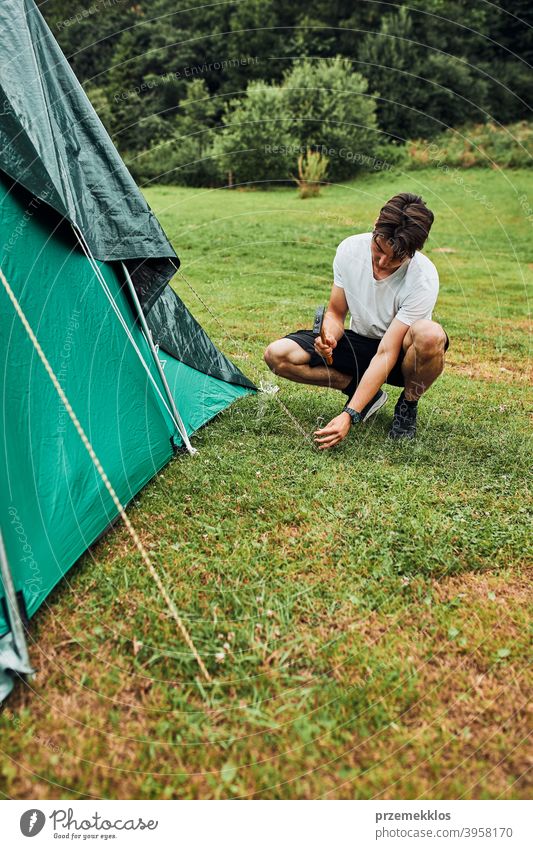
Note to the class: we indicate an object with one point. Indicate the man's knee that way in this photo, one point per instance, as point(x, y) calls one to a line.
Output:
point(428, 338)
point(284, 355)
point(275, 357)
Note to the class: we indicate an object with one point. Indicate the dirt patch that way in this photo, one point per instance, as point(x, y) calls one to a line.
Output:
point(509, 589)
point(511, 372)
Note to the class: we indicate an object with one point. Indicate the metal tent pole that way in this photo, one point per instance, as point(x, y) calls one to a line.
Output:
point(178, 420)
point(19, 638)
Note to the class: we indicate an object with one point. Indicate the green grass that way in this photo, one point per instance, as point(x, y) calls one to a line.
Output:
point(373, 601)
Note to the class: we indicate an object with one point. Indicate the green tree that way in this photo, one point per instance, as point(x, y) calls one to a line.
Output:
point(197, 111)
point(507, 60)
point(256, 145)
point(421, 90)
point(185, 155)
point(330, 110)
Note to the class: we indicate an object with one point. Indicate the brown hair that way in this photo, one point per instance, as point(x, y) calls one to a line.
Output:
point(405, 222)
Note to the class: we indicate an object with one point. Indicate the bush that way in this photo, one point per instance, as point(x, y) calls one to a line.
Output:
point(177, 161)
point(329, 111)
point(255, 145)
point(480, 145)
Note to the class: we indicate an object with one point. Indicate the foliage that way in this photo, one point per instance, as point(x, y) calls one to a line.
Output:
point(185, 155)
point(444, 64)
point(511, 83)
point(330, 111)
point(90, 34)
point(321, 105)
point(104, 109)
point(420, 90)
point(256, 144)
point(312, 168)
point(481, 145)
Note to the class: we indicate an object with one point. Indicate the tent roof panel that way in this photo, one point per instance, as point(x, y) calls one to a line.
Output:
point(60, 149)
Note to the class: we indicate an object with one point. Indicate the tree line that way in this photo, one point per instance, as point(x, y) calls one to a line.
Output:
point(241, 88)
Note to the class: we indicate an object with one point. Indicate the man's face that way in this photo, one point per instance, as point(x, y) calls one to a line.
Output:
point(383, 260)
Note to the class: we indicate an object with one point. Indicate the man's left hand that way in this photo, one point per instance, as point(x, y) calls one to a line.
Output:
point(334, 432)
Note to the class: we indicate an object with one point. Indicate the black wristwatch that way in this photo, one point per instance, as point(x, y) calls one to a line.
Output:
point(354, 415)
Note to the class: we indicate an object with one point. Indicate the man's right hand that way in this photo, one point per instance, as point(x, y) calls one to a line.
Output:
point(325, 347)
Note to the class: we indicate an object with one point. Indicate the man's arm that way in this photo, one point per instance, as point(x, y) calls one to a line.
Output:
point(333, 324)
point(376, 374)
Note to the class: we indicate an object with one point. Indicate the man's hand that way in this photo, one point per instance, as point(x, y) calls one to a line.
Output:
point(334, 432)
point(325, 346)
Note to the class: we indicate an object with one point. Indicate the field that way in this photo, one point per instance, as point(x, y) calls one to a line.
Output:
point(363, 613)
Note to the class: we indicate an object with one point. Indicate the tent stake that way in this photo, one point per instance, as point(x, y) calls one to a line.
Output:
point(178, 420)
point(17, 628)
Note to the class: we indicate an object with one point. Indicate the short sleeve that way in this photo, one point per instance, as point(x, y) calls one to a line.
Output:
point(419, 302)
point(338, 263)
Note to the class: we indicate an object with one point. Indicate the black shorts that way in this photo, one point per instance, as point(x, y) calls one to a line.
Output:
point(352, 355)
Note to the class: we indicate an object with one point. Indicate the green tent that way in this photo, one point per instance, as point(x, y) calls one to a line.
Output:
point(90, 266)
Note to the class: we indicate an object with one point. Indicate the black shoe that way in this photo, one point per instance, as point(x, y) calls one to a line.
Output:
point(377, 402)
point(404, 421)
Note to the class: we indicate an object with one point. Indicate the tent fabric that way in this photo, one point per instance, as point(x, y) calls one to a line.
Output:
point(54, 504)
point(61, 153)
point(62, 183)
point(59, 150)
point(10, 663)
point(180, 335)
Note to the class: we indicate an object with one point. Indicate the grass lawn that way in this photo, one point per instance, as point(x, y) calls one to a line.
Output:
point(369, 606)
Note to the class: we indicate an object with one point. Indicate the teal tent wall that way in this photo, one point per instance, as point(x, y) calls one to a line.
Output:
point(54, 504)
point(59, 169)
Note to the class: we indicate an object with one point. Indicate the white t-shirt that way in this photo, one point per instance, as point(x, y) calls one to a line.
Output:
point(408, 294)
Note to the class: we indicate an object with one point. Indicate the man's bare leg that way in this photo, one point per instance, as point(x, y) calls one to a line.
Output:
point(423, 361)
point(287, 359)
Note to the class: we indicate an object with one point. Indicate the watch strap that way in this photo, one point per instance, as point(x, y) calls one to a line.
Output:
point(354, 415)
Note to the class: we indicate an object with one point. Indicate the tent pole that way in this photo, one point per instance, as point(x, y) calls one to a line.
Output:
point(17, 628)
point(142, 318)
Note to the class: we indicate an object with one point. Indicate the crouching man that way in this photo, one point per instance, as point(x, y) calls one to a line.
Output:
point(389, 288)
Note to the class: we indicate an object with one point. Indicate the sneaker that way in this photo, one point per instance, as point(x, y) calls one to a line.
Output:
point(404, 421)
point(377, 402)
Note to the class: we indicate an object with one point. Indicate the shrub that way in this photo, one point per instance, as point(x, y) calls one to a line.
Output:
point(510, 89)
point(178, 161)
point(329, 111)
point(312, 167)
point(479, 145)
point(256, 145)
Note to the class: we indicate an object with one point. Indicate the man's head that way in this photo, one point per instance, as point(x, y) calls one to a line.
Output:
point(401, 228)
